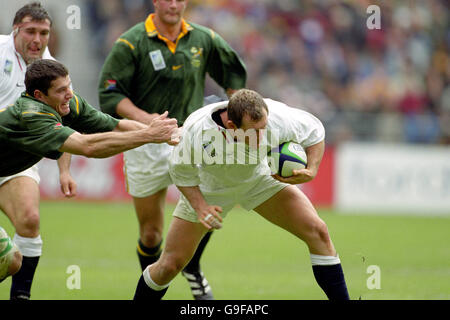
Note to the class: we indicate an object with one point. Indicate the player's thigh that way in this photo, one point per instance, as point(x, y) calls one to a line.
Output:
point(150, 209)
point(19, 198)
point(291, 210)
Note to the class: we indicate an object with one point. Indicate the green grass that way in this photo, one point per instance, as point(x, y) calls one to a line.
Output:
point(248, 259)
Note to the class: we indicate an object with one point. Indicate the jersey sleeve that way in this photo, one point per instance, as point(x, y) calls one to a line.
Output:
point(293, 124)
point(90, 120)
point(224, 64)
point(116, 76)
point(182, 168)
point(43, 135)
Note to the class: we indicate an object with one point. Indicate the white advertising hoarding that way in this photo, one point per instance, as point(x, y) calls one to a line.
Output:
point(383, 178)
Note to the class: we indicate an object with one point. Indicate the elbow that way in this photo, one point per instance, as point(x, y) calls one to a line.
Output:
point(90, 151)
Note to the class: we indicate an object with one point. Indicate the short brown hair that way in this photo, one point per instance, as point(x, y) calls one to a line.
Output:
point(41, 73)
point(245, 101)
point(35, 10)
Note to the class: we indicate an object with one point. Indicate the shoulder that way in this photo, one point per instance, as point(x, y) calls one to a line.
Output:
point(5, 46)
point(202, 31)
point(4, 39)
point(201, 119)
point(135, 34)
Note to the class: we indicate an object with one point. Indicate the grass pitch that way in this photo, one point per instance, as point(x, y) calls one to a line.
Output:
point(248, 259)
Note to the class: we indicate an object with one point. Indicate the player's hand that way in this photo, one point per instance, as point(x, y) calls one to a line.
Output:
point(210, 217)
point(176, 136)
point(68, 185)
point(298, 176)
point(162, 128)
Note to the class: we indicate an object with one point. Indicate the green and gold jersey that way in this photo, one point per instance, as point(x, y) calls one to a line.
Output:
point(31, 130)
point(158, 75)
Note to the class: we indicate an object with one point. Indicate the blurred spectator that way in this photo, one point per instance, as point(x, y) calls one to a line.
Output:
point(319, 54)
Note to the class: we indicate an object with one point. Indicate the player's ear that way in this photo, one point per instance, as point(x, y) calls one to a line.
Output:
point(38, 94)
point(231, 125)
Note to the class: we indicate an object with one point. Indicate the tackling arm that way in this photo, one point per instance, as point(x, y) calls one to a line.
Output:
point(106, 144)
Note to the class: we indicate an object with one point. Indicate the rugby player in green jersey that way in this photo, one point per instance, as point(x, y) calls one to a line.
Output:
point(160, 65)
point(49, 119)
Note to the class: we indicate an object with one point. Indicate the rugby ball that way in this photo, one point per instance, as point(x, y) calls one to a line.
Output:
point(286, 157)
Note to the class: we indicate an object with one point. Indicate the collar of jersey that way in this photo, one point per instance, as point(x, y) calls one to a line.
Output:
point(153, 32)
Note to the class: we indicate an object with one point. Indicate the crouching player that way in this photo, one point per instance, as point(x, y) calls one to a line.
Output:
point(212, 188)
point(10, 257)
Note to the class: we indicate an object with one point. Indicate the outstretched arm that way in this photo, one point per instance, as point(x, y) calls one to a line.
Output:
point(106, 144)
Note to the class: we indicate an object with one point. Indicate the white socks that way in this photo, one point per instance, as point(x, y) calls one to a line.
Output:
point(149, 281)
point(318, 260)
point(29, 247)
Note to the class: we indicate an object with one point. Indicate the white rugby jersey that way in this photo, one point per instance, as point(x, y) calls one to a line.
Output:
point(208, 155)
point(12, 71)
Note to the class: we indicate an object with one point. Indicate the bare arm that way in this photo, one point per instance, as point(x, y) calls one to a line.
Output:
point(314, 154)
point(106, 144)
point(203, 209)
point(129, 125)
point(127, 109)
point(68, 184)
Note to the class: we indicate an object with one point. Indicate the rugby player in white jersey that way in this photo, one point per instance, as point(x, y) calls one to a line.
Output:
point(26, 44)
point(206, 168)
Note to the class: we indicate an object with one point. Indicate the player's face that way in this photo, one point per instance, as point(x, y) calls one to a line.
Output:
point(170, 11)
point(31, 38)
point(254, 130)
point(59, 95)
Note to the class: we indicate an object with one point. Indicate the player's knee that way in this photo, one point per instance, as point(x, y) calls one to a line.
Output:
point(151, 236)
point(29, 222)
point(173, 265)
point(318, 232)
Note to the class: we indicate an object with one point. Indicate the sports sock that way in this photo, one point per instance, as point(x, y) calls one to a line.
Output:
point(330, 277)
point(147, 255)
point(22, 280)
point(31, 249)
point(147, 289)
point(194, 264)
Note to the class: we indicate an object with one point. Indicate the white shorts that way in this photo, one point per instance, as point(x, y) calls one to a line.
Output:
point(32, 172)
point(249, 196)
point(146, 169)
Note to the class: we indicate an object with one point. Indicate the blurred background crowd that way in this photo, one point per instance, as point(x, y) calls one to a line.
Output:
point(387, 85)
point(391, 84)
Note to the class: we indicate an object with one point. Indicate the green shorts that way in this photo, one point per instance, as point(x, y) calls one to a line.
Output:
point(248, 195)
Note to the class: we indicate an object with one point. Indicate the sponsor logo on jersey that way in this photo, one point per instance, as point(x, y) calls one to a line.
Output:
point(157, 60)
point(196, 55)
point(58, 126)
point(8, 67)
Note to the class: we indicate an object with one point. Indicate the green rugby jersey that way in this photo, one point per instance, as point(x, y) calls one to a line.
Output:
point(31, 130)
point(158, 75)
